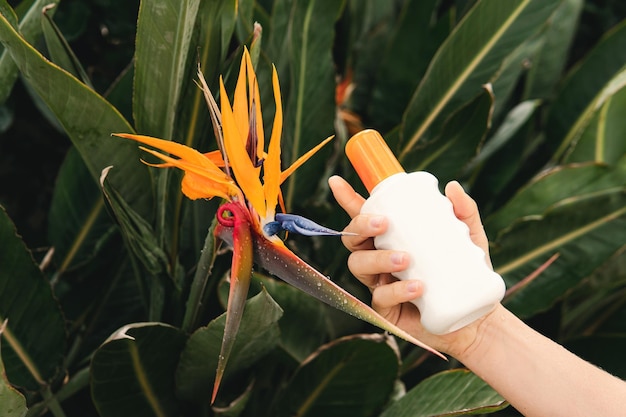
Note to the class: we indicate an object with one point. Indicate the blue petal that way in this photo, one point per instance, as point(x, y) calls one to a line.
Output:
point(298, 224)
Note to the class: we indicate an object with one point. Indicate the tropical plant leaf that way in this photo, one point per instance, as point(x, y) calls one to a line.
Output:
point(215, 23)
point(132, 374)
point(325, 382)
point(466, 60)
point(597, 306)
point(413, 42)
point(9, 14)
point(60, 51)
point(584, 231)
point(506, 131)
point(78, 222)
point(164, 32)
point(298, 340)
point(201, 281)
point(576, 180)
point(310, 99)
point(450, 393)
point(12, 403)
point(584, 82)
point(30, 28)
point(34, 336)
point(599, 105)
point(87, 118)
point(140, 239)
point(257, 335)
point(513, 67)
point(602, 140)
point(549, 62)
point(460, 140)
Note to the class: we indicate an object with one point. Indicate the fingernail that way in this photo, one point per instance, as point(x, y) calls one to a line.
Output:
point(397, 258)
point(412, 287)
point(376, 221)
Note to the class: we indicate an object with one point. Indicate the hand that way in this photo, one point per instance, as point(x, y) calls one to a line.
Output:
point(374, 268)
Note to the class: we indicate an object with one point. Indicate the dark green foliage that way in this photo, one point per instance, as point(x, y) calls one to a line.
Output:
point(115, 294)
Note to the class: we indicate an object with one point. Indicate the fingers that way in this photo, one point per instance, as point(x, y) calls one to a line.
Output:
point(364, 227)
point(348, 199)
point(391, 295)
point(372, 267)
point(466, 210)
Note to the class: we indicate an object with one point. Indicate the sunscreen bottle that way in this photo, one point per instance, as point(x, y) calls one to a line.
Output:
point(459, 285)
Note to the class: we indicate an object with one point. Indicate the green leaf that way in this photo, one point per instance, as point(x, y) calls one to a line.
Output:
point(201, 281)
point(87, 118)
point(602, 140)
point(549, 62)
point(413, 42)
point(9, 14)
point(30, 28)
point(298, 340)
point(12, 403)
point(164, 32)
point(140, 238)
point(257, 335)
point(450, 393)
point(460, 139)
point(310, 100)
point(598, 110)
point(597, 305)
point(138, 233)
point(35, 332)
point(469, 58)
point(584, 231)
point(560, 183)
point(60, 51)
point(132, 374)
point(342, 379)
point(513, 121)
point(78, 224)
point(584, 82)
point(215, 23)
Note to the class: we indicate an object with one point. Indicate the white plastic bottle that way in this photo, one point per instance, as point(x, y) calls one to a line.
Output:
point(459, 286)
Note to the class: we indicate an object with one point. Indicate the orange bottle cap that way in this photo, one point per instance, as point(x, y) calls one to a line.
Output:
point(371, 158)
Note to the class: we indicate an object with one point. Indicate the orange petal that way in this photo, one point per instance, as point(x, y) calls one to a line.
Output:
point(240, 101)
point(184, 152)
point(217, 183)
point(194, 187)
point(271, 165)
point(245, 173)
point(215, 157)
point(286, 173)
point(253, 88)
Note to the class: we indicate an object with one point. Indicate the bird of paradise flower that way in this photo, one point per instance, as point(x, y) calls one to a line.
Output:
point(248, 179)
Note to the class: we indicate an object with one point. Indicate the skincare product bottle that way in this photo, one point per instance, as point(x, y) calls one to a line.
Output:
point(459, 285)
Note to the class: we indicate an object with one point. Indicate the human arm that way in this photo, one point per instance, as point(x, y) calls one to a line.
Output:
point(536, 375)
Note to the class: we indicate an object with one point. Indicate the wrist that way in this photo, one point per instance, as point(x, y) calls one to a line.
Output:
point(474, 340)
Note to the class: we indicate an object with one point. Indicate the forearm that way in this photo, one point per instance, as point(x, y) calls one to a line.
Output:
point(538, 376)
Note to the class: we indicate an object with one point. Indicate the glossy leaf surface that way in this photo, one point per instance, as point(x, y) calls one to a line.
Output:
point(12, 403)
point(452, 393)
point(33, 341)
point(257, 335)
point(88, 119)
point(132, 374)
point(330, 373)
point(453, 76)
